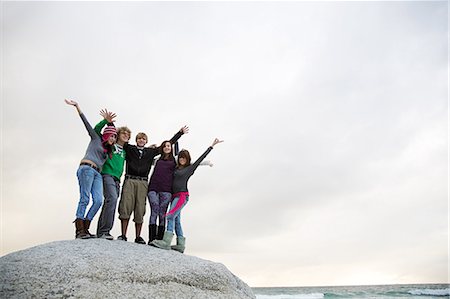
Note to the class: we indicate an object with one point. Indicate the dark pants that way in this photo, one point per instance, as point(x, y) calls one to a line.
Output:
point(111, 188)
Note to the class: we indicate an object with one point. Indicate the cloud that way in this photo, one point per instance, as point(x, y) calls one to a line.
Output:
point(334, 116)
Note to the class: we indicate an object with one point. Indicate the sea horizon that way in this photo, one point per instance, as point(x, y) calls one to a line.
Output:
point(353, 285)
point(381, 291)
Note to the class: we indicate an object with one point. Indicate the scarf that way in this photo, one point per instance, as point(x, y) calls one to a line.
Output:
point(180, 203)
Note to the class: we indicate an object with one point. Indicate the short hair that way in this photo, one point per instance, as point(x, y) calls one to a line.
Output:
point(123, 129)
point(141, 135)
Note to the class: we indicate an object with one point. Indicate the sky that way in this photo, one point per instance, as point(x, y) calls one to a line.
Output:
point(334, 169)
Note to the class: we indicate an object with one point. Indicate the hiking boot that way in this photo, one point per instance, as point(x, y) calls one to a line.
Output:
point(139, 240)
point(122, 238)
point(87, 223)
point(79, 229)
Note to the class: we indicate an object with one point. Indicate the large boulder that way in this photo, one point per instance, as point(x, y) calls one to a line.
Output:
point(98, 268)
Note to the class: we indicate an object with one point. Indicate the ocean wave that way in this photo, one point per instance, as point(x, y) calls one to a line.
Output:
point(430, 292)
point(296, 296)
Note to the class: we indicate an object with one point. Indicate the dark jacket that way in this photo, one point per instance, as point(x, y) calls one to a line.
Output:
point(139, 162)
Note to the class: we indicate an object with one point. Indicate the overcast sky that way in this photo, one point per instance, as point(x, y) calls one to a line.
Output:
point(334, 169)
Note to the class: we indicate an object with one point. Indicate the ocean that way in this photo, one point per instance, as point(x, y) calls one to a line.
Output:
point(410, 291)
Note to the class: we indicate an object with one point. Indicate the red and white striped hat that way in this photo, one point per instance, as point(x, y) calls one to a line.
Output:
point(108, 131)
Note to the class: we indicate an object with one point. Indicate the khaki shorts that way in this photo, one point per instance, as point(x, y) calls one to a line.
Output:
point(133, 199)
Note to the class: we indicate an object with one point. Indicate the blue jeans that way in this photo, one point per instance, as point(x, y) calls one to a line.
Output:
point(159, 202)
point(90, 181)
point(111, 192)
point(176, 218)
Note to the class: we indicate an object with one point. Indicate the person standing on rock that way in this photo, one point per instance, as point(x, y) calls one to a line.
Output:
point(183, 172)
point(111, 174)
point(139, 160)
point(89, 177)
point(160, 191)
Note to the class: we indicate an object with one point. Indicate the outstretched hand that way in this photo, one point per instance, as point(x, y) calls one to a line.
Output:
point(108, 115)
point(71, 102)
point(184, 130)
point(216, 141)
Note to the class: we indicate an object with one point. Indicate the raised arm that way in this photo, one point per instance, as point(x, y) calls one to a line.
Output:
point(83, 117)
point(73, 103)
point(98, 127)
point(86, 123)
point(108, 118)
point(108, 115)
point(203, 156)
point(183, 130)
point(216, 141)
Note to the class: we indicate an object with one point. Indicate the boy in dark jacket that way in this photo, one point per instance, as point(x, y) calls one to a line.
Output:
point(134, 190)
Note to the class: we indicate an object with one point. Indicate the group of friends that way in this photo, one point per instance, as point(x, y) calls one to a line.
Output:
point(101, 169)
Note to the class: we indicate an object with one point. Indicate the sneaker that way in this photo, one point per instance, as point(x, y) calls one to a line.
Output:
point(139, 240)
point(89, 235)
point(106, 236)
point(122, 238)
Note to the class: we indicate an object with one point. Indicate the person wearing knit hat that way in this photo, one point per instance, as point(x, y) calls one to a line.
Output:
point(111, 173)
point(109, 138)
point(108, 131)
point(89, 177)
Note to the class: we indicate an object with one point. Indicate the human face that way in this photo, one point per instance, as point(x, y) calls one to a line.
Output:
point(112, 139)
point(167, 148)
point(141, 141)
point(182, 161)
point(124, 137)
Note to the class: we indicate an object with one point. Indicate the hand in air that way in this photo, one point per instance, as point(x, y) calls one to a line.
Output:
point(108, 115)
point(71, 102)
point(216, 141)
point(184, 130)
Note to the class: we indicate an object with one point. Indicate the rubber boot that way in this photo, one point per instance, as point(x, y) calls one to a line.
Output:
point(151, 233)
point(79, 229)
point(161, 230)
point(165, 242)
point(181, 241)
point(87, 223)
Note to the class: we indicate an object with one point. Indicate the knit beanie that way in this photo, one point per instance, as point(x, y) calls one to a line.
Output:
point(107, 132)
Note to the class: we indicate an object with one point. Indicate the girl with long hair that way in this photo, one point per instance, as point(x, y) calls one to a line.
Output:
point(160, 190)
point(182, 174)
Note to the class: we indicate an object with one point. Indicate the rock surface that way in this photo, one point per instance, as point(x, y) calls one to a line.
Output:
point(98, 268)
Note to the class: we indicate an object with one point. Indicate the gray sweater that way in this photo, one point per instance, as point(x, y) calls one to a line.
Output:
point(181, 176)
point(95, 151)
